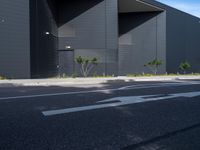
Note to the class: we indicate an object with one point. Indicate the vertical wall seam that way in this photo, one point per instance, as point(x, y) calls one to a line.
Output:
point(156, 37)
point(105, 37)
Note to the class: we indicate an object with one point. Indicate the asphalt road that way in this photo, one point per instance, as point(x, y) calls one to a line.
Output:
point(135, 116)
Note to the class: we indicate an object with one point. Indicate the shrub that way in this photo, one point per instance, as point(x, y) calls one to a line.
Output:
point(154, 65)
point(184, 66)
point(86, 64)
point(2, 78)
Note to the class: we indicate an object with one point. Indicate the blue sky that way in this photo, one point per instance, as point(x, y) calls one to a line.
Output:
point(189, 6)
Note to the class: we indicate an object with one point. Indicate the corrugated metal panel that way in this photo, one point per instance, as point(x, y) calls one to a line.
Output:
point(43, 46)
point(143, 40)
point(95, 34)
point(14, 38)
point(183, 34)
point(182, 38)
point(89, 29)
point(112, 24)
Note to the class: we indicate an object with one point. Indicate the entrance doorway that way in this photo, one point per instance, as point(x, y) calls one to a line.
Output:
point(66, 62)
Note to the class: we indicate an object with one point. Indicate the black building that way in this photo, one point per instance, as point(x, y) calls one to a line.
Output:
point(41, 38)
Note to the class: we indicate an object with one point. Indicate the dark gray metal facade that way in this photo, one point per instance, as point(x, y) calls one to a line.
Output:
point(182, 38)
point(91, 33)
point(44, 39)
point(14, 39)
point(36, 34)
point(142, 39)
point(66, 62)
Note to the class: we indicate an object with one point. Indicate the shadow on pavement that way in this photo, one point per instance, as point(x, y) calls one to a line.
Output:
point(159, 138)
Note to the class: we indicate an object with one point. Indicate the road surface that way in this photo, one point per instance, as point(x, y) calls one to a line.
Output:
point(111, 116)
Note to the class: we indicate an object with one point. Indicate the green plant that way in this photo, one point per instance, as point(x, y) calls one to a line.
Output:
point(103, 76)
point(184, 66)
point(154, 65)
point(74, 75)
point(86, 64)
point(63, 75)
point(154, 75)
point(2, 78)
point(139, 75)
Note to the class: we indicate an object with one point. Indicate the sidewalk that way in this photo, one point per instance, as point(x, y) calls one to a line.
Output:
point(82, 81)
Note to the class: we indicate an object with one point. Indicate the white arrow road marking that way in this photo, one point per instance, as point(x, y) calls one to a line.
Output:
point(142, 86)
point(120, 101)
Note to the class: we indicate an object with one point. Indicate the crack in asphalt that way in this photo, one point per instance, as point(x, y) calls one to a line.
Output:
point(161, 137)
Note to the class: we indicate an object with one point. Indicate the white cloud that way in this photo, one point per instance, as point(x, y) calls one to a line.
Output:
point(190, 8)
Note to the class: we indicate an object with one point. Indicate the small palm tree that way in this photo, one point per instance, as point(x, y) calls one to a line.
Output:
point(184, 66)
point(86, 64)
point(154, 65)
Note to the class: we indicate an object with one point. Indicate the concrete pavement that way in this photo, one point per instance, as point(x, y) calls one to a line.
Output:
point(81, 81)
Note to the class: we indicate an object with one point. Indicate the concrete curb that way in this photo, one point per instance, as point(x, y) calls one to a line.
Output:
point(82, 81)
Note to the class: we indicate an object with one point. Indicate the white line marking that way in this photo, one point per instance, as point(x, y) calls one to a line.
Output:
point(120, 101)
point(53, 94)
point(143, 86)
point(153, 85)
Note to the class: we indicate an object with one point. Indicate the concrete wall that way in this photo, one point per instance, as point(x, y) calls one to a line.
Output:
point(142, 39)
point(91, 30)
point(14, 39)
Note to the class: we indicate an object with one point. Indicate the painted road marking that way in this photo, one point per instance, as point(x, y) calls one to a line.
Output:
point(155, 85)
point(143, 86)
point(120, 101)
